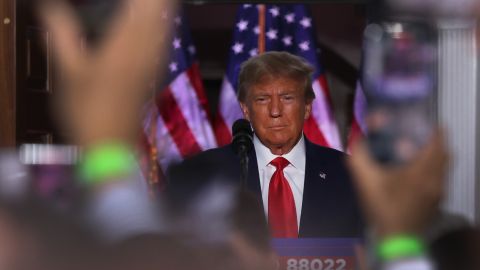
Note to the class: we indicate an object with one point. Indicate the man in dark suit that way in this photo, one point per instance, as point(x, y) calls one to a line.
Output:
point(304, 188)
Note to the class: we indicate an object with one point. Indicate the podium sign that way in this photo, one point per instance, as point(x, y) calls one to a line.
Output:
point(316, 253)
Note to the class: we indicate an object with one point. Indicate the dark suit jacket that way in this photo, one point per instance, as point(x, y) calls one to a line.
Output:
point(329, 207)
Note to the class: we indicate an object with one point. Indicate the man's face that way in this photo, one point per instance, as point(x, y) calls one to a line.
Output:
point(277, 108)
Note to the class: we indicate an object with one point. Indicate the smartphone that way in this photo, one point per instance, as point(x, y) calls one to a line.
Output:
point(52, 172)
point(399, 79)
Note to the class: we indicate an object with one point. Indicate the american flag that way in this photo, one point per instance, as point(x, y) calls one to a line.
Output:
point(358, 127)
point(281, 28)
point(177, 123)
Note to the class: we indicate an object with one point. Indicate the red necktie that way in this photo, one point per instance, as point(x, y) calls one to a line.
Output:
point(282, 216)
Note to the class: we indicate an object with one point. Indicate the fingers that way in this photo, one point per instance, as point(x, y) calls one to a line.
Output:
point(437, 151)
point(433, 159)
point(138, 37)
point(369, 180)
point(149, 12)
point(60, 20)
point(140, 21)
point(364, 168)
point(361, 257)
point(435, 146)
point(431, 166)
point(399, 198)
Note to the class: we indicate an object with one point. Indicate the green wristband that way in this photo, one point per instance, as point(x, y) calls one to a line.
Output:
point(106, 161)
point(400, 246)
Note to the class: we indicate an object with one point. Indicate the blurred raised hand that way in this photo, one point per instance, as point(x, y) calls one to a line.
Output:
point(103, 88)
point(401, 199)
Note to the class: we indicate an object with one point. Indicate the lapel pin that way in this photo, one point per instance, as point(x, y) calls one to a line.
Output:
point(323, 175)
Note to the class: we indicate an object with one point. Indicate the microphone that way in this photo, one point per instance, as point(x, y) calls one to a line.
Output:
point(242, 137)
point(242, 142)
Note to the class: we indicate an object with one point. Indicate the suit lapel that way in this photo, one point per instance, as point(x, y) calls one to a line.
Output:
point(313, 192)
point(253, 181)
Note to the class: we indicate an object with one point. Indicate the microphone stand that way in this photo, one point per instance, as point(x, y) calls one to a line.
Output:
point(242, 142)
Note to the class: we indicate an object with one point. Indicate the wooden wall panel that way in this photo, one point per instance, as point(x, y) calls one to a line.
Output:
point(37, 60)
point(34, 74)
point(7, 73)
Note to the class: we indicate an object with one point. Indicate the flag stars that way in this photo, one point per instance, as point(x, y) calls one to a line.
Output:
point(256, 30)
point(272, 34)
point(290, 17)
point(247, 6)
point(173, 67)
point(305, 46)
point(242, 25)
point(237, 48)
point(253, 52)
point(287, 41)
point(306, 22)
point(177, 43)
point(275, 11)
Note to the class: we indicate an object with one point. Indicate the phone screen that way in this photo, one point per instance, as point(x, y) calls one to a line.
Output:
point(399, 79)
point(52, 172)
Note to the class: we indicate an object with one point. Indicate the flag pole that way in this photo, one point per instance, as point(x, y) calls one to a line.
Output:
point(153, 180)
point(153, 168)
point(261, 26)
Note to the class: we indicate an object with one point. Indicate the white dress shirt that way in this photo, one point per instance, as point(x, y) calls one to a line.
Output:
point(294, 172)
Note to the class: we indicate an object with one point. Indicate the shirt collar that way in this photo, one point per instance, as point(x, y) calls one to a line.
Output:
point(296, 156)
